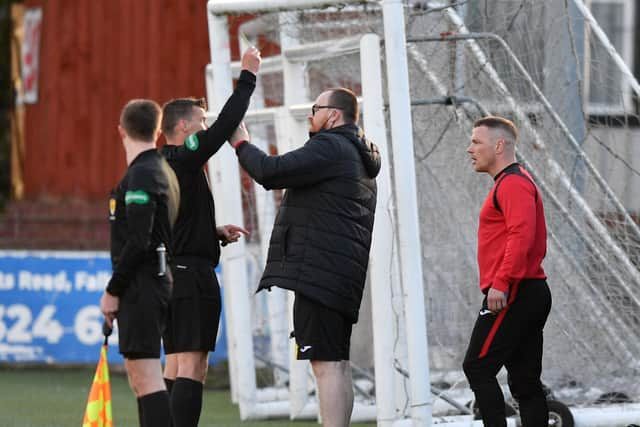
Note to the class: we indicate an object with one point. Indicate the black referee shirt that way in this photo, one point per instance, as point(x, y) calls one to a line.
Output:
point(142, 210)
point(194, 233)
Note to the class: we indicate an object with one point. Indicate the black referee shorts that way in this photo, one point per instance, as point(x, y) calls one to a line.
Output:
point(142, 314)
point(320, 332)
point(194, 309)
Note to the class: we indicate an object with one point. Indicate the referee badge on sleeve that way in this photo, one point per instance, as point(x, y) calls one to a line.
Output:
point(192, 142)
point(112, 208)
point(139, 197)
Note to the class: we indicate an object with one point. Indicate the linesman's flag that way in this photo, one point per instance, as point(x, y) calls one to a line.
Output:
point(98, 412)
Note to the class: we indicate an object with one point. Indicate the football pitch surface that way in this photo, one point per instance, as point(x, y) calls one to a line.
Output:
point(57, 397)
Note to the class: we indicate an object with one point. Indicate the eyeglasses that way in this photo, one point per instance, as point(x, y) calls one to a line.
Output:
point(315, 108)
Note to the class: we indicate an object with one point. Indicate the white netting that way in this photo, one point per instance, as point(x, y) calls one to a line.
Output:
point(321, 72)
point(591, 340)
point(587, 167)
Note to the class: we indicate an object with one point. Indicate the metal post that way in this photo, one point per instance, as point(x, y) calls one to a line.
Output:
point(227, 191)
point(407, 207)
point(382, 255)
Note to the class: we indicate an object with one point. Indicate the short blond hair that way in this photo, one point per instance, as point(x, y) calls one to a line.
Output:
point(497, 122)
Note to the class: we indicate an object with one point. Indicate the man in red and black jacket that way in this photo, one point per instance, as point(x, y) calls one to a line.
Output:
point(512, 242)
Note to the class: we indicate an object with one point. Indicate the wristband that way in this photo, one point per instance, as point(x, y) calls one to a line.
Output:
point(238, 143)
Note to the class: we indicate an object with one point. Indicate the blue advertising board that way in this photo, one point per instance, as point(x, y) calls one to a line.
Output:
point(49, 308)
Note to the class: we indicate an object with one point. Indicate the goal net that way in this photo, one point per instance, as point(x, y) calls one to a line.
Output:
point(576, 137)
point(578, 119)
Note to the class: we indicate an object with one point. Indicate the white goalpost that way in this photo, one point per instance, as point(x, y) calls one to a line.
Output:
point(425, 71)
point(291, 134)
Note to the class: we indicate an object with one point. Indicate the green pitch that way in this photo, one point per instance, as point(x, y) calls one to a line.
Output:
point(42, 397)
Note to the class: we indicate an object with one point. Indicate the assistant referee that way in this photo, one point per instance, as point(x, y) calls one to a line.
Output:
point(142, 211)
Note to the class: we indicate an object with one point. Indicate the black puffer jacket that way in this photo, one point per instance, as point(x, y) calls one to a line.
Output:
point(322, 233)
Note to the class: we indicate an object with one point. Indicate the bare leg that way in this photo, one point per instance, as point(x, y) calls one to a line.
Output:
point(186, 396)
point(193, 365)
point(335, 392)
point(145, 379)
point(171, 366)
point(145, 376)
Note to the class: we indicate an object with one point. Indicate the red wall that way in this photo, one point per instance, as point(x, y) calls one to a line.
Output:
point(95, 55)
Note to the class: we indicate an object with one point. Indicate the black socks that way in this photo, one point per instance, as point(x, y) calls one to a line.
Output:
point(169, 383)
point(154, 409)
point(186, 402)
point(140, 418)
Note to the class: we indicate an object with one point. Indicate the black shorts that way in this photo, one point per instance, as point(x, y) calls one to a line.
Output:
point(142, 313)
point(194, 310)
point(320, 332)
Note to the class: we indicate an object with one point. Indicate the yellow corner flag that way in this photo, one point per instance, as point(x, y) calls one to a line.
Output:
point(98, 413)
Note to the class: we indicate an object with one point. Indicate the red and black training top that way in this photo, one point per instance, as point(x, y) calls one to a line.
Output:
point(512, 234)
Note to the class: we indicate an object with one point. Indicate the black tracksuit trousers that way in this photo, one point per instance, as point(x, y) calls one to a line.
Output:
point(513, 339)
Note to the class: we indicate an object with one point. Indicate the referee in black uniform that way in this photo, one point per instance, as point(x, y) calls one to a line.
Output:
point(195, 306)
point(142, 211)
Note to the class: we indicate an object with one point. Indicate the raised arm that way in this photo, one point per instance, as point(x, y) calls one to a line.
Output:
point(199, 147)
point(305, 166)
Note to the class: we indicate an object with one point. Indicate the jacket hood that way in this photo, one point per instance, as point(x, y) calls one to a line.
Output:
point(368, 150)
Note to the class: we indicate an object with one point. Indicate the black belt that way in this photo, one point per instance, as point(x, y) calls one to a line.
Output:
point(191, 260)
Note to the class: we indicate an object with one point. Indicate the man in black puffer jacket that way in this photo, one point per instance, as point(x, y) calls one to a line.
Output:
point(321, 237)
